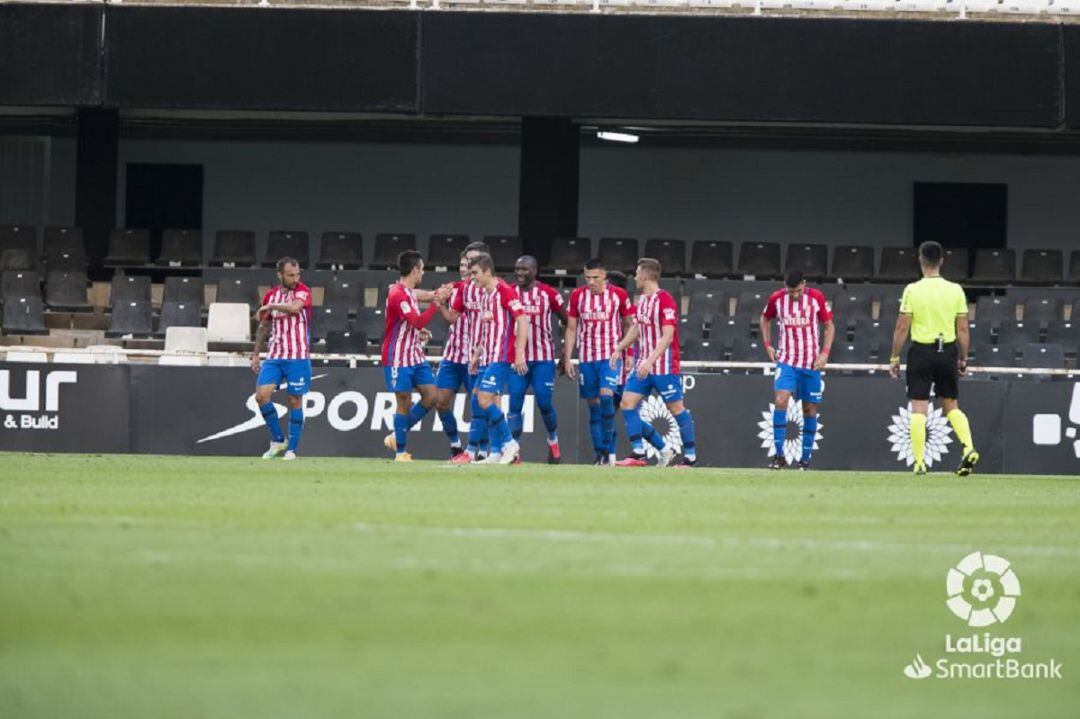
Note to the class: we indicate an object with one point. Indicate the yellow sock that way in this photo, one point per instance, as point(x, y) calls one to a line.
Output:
point(918, 438)
point(959, 422)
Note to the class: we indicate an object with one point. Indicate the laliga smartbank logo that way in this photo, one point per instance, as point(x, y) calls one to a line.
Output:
point(982, 590)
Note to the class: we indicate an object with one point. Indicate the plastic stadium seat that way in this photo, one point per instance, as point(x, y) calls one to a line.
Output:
point(346, 343)
point(709, 303)
point(445, 250)
point(228, 322)
point(287, 243)
point(127, 288)
point(1017, 333)
point(180, 248)
point(1041, 309)
point(568, 255)
point(619, 253)
point(60, 240)
point(813, 260)
point(20, 284)
point(63, 260)
point(726, 330)
point(24, 316)
point(1042, 266)
point(748, 351)
point(889, 309)
point(348, 294)
point(1064, 333)
point(851, 307)
point(980, 333)
point(853, 263)
point(957, 263)
point(899, 264)
point(505, 249)
point(388, 245)
point(131, 318)
point(179, 314)
point(873, 332)
point(66, 292)
point(20, 260)
point(1050, 356)
point(1074, 268)
point(236, 290)
point(987, 356)
point(18, 237)
point(184, 289)
point(710, 259)
point(760, 259)
point(692, 327)
point(328, 319)
point(128, 248)
point(857, 352)
point(185, 339)
point(234, 248)
point(670, 253)
point(698, 350)
point(371, 322)
point(341, 251)
point(995, 309)
point(751, 303)
point(994, 266)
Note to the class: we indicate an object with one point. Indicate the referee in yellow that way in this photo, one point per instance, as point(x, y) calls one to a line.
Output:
point(935, 312)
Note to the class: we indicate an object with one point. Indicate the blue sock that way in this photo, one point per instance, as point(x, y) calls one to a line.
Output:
point(417, 413)
point(686, 431)
point(269, 413)
point(809, 430)
point(598, 440)
point(614, 442)
point(779, 429)
point(401, 430)
point(514, 418)
point(547, 413)
point(607, 420)
point(296, 427)
point(449, 427)
point(497, 427)
point(634, 429)
point(652, 436)
point(478, 430)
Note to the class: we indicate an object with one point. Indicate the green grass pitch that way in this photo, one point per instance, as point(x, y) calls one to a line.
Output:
point(225, 587)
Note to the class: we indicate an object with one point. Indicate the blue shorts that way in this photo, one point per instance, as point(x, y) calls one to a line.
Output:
point(406, 379)
point(541, 377)
point(452, 375)
point(668, 386)
point(295, 372)
point(493, 377)
point(804, 384)
point(598, 375)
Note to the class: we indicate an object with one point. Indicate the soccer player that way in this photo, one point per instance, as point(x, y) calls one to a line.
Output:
point(539, 301)
point(403, 361)
point(797, 310)
point(503, 320)
point(462, 312)
point(656, 335)
point(935, 312)
point(285, 316)
point(598, 314)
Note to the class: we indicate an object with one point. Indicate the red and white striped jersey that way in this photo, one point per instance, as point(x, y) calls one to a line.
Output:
point(798, 321)
point(290, 335)
point(468, 301)
point(501, 308)
point(599, 319)
point(539, 302)
point(401, 345)
point(654, 313)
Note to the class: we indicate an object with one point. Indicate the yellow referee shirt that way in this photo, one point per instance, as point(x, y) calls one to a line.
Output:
point(933, 303)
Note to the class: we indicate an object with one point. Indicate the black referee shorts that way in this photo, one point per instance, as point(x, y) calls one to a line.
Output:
point(927, 368)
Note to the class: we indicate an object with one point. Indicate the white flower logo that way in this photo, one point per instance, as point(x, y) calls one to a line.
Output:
point(937, 436)
point(973, 584)
point(792, 440)
point(652, 409)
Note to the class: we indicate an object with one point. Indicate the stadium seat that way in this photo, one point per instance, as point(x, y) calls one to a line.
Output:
point(957, 264)
point(568, 255)
point(439, 330)
point(228, 322)
point(18, 237)
point(347, 293)
point(751, 303)
point(1074, 268)
point(287, 243)
point(64, 261)
point(1041, 309)
point(388, 245)
point(899, 264)
point(18, 260)
point(747, 350)
point(346, 343)
point(1042, 266)
point(185, 339)
point(995, 309)
point(128, 248)
point(179, 314)
point(134, 318)
point(341, 251)
point(180, 248)
point(699, 350)
point(813, 260)
point(327, 319)
point(872, 332)
point(709, 303)
point(505, 249)
point(692, 327)
point(849, 307)
point(236, 290)
point(759, 259)
point(987, 356)
point(371, 322)
point(63, 240)
point(20, 284)
point(184, 289)
point(1064, 333)
point(1015, 334)
point(726, 330)
point(994, 266)
point(889, 308)
point(445, 251)
point(1049, 356)
point(66, 292)
point(128, 288)
point(1075, 310)
point(853, 263)
point(981, 333)
point(619, 253)
point(670, 253)
point(24, 316)
point(711, 259)
point(234, 248)
point(857, 352)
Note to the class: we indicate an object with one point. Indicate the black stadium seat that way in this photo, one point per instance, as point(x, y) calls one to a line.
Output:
point(747, 350)
point(371, 321)
point(239, 290)
point(751, 303)
point(128, 248)
point(813, 260)
point(995, 309)
point(184, 289)
point(63, 260)
point(568, 255)
point(18, 237)
point(986, 356)
point(20, 283)
point(505, 249)
point(327, 319)
point(444, 250)
point(24, 316)
point(670, 253)
point(957, 263)
point(1064, 333)
point(127, 288)
point(1042, 266)
point(234, 248)
point(388, 245)
point(1041, 309)
point(133, 317)
point(1074, 268)
point(19, 260)
point(287, 243)
point(710, 259)
point(994, 266)
point(725, 330)
point(60, 240)
point(1017, 333)
point(345, 293)
point(709, 303)
point(692, 326)
point(66, 292)
point(180, 248)
point(346, 342)
point(857, 352)
point(873, 332)
point(760, 259)
point(179, 314)
point(853, 263)
point(341, 251)
point(850, 307)
point(697, 350)
point(619, 253)
point(899, 264)
point(1050, 356)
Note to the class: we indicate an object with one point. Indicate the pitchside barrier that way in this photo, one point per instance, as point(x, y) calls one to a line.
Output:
point(1020, 425)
